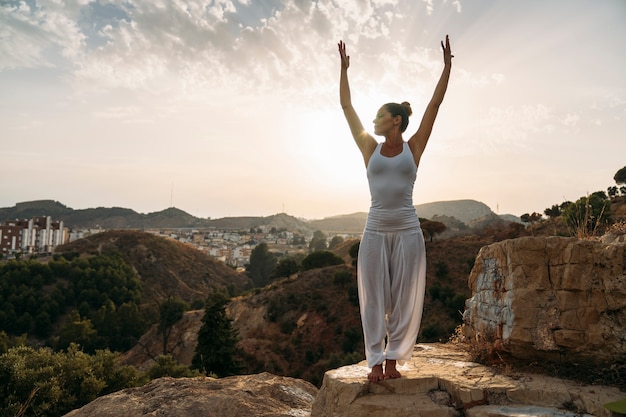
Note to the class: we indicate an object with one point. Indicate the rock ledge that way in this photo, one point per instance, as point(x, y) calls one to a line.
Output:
point(259, 395)
point(440, 380)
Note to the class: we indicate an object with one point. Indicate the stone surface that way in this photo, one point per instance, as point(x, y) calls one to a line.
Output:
point(440, 380)
point(534, 297)
point(519, 411)
point(260, 395)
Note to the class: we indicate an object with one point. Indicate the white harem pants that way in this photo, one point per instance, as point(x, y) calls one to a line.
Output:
point(391, 277)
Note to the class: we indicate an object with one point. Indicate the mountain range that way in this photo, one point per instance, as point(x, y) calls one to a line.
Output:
point(455, 214)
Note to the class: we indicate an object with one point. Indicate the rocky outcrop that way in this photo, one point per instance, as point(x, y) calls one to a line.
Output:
point(441, 381)
point(261, 395)
point(550, 297)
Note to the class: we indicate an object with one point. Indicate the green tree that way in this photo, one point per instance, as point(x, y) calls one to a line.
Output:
point(79, 331)
point(261, 266)
point(587, 214)
point(321, 259)
point(620, 176)
point(318, 241)
point(354, 252)
point(335, 241)
point(530, 218)
point(217, 340)
point(553, 212)
point(286, 267)
point(170, 313)
point(432, 228)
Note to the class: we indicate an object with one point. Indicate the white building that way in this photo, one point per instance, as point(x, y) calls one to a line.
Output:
point(37, 235)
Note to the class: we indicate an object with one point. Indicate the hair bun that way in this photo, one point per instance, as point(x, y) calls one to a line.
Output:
point(407, 106)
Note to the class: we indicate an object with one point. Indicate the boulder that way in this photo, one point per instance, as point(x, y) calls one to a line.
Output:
point(550, 297)
point(260, 395)
point(440, 380)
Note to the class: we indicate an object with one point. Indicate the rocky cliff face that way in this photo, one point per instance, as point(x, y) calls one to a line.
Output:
point(549, 297)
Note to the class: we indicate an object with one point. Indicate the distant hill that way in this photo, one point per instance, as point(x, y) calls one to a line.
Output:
point(165, 267)
point(280, 221)
point(456, 214)
point(123, 218)
point(30, 209)
point(347, 223)
point(463, 210)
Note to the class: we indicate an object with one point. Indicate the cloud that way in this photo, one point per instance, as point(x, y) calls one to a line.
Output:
point(28, 33)
point(195, 47)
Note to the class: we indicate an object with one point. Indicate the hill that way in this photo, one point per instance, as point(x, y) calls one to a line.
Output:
point(123, 218)
point(279, 221)
point(29, 209)
point(455, 214)
point(346, 223)
point(459, 216)
point(463, 210)
point(165, 267)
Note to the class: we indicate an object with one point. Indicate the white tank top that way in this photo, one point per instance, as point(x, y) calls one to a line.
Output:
point(391, 181)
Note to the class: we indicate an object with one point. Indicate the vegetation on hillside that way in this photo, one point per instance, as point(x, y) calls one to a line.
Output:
point(311, 324)
point(165, 267)
point(102, 293)
point(86, 303)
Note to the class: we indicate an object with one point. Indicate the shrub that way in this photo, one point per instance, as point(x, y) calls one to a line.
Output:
point(320, 259)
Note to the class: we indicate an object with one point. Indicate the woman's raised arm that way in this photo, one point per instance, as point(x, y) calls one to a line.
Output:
point(364, 140)
point(419, 140)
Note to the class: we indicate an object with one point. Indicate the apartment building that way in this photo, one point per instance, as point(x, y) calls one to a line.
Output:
point(37, 235)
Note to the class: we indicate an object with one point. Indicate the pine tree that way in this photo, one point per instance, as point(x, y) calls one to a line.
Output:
point(217, 340)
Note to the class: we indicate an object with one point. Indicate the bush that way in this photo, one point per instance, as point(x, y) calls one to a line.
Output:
point(320, 259)
point(166, 365)
point(42, 383)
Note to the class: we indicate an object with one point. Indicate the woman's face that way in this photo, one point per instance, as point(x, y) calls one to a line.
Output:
point(384, 122)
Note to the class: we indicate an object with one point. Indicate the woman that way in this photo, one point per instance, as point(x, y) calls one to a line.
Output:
point(391, 270)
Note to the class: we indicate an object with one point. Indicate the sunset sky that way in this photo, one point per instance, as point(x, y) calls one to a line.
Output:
point(230, 108)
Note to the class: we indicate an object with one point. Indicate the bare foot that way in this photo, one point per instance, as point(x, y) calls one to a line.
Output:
point(390, 370)
point(377, 374)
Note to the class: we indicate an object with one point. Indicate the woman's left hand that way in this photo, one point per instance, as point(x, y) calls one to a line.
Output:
point(447, 52)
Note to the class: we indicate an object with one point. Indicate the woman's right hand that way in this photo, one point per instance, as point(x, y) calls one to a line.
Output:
point(345, 59)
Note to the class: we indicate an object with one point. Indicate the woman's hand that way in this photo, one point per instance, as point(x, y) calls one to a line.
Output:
point(447, 52)
point(345, 59)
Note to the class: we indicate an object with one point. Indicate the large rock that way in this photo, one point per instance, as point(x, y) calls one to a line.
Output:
point(260, 395)
point(440, 380)
point(550, 297)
